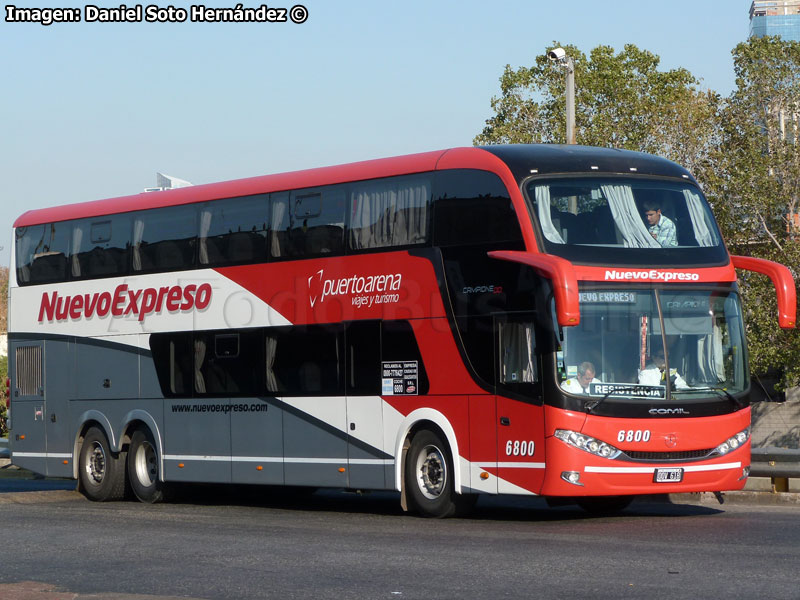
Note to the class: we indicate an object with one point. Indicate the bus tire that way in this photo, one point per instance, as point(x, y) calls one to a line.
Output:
point(429, 480)
point(101, 473)
point(143, 468)
point(604, 505)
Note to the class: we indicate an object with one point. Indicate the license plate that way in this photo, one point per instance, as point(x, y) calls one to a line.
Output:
point(668, 475)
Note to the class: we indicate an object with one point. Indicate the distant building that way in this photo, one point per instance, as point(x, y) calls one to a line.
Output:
point(775, 17)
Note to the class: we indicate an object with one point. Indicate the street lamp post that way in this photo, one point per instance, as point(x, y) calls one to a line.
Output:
point(559, 56)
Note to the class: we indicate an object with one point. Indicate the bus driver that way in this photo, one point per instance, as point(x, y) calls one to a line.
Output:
point(580, 384)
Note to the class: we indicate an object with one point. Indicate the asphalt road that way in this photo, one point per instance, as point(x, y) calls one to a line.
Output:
point(262, 543)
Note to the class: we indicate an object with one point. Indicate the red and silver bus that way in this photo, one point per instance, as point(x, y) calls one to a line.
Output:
point(544, 320)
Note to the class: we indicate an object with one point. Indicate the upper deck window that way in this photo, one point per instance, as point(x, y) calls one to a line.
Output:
point(581, 214)
point(233, 231)
point(389, 212)
point(42, 253)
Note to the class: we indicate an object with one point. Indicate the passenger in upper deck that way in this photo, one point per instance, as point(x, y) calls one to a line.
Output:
point(660, 227)
point(580, 384)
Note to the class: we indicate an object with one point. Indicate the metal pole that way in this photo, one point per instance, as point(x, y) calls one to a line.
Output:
point(570, 68)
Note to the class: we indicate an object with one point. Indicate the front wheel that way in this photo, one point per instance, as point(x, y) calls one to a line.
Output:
point(428, 478)
point(143, 468)
point(101, 473)
point(604, 505)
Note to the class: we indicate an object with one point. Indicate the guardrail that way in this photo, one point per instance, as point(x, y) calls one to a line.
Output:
point(779, 464)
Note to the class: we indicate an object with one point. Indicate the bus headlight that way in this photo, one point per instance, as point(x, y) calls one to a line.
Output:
point(587, 444)
point(733, 442)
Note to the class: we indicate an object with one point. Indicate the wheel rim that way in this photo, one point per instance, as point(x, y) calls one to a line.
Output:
point(96, 463)
point(431, 472)
point(145, 464)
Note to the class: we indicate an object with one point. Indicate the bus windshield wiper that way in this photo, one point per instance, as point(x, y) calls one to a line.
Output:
point(591, 405)
point(738, 403)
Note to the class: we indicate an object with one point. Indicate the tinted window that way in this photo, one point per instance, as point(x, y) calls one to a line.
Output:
point(228, 363)
point(100, 247)
point(398, 344)
point(41, 252)
point(233, 231)
point(173, 358)
point(472, 207)
point(304, 361)
point(389, 212)
point(164, 239)
point(517, 353)
point(308, 223)
point(364, 358)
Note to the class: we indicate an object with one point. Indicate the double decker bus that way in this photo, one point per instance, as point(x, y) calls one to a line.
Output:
point(561, 321)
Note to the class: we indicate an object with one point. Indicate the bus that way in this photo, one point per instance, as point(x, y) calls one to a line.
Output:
point(560, 321)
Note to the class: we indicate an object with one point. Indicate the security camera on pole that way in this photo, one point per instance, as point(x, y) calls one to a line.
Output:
point(559, 56)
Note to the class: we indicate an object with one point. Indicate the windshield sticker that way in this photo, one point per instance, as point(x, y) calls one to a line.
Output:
point(627, 390)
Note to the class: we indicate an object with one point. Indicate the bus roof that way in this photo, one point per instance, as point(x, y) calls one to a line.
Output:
point(522, 160)
point(525, 160)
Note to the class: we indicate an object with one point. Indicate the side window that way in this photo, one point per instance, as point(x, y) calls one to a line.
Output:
point(233, 231)
point(304, 361)
point(41, 252)
point(399, 345)
point(363, 359)
point(517, 353)
point(174, 362)
point(164, 239)
point(308, 223)
point(482, 196)
point(389, 212)
point(518, 362)
point(226, 363)
point(100, 247)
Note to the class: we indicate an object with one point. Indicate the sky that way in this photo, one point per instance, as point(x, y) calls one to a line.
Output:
point(94, 110)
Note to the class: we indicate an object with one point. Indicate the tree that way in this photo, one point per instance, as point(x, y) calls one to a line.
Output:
point(622, 101)
point(753, 182)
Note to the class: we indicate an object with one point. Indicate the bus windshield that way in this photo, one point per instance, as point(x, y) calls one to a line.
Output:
point(621, 212)
point(623, 349)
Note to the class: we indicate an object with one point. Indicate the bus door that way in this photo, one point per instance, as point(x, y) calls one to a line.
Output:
point(308, 366)
point(27, 435)
point(520, 415)
point(366, 457)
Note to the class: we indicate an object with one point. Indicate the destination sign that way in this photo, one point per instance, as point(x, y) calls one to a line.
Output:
point(608, 297)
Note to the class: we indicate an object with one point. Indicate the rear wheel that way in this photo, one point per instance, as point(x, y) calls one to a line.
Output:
point(101, 473)
point(143, 468)
point(429, 478)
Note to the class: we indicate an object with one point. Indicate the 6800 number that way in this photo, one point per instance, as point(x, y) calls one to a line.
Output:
point(520, 448)
point(633, 435)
